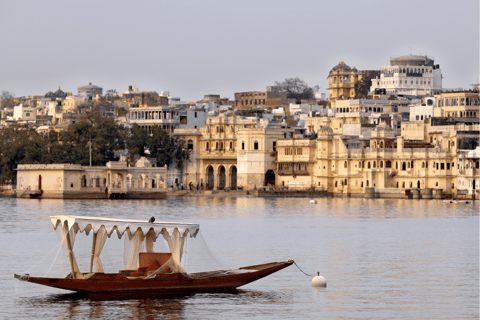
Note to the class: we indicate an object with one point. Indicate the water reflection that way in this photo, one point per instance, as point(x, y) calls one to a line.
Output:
point(382, 258)
point(144, 306)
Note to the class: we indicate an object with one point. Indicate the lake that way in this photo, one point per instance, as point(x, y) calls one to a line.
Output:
point(382, 258)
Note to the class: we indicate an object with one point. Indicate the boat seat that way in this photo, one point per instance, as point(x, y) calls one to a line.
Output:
point(146, 258)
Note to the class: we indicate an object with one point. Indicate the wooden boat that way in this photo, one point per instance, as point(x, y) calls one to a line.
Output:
point(165, 273)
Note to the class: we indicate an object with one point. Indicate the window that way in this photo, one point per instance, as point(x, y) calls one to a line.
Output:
point(195, 114)
point(208, 146)
point(231, 145)
point(243, 145)
point(274, 146)
point(255, 145)
point(190, 145)
point(346, 165)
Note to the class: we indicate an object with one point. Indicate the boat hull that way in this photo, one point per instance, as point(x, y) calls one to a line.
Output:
point(168, 283)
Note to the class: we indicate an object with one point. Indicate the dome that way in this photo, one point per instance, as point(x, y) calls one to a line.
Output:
point(143, 163)
point(412, 60)
point(325, 131)
point(341, 67)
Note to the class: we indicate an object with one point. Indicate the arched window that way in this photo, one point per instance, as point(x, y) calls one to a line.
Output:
point(216, 145)
point(423, 164)
point(381, 164)
point(335, 184)
point(367, 183)
point(374, 164)
point(345, 165)
point(190, 144)
point(231, 145)
point(368, 164)
point(345, 182)
point(243, 145)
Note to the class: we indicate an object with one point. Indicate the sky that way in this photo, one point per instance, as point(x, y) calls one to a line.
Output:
point(193, 48)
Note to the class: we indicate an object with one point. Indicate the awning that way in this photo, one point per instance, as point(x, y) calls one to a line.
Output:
point(86, 224)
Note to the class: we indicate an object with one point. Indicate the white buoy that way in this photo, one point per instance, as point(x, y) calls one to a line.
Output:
point(313, 201)
point(319, 281)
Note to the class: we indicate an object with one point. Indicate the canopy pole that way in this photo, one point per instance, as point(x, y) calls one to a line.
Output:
point(70, 251)
point(93, 251)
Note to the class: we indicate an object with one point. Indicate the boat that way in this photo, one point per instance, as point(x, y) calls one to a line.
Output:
point(145, 272)
point(450, 200)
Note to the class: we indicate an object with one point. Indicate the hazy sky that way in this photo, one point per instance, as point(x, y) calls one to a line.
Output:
point(193, 48)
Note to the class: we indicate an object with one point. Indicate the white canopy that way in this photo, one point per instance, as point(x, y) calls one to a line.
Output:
point(86, 224)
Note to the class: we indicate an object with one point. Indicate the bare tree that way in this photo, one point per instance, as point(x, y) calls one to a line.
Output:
point(297, 89)
point(7, 99)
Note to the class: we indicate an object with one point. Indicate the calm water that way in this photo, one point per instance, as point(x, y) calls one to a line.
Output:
point(383, 259)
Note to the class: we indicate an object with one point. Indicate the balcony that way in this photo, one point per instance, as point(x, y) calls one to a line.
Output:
point(293, 172)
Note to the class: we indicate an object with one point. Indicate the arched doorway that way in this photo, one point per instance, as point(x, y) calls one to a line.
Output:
point(210, 178)
point(233, 178)
point(222, 179)
point(270, 177)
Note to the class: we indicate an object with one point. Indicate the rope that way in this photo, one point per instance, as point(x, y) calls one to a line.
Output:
point(310, 275)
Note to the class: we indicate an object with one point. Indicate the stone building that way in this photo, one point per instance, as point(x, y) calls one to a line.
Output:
point(231, 152)
point(73, 181)
point(257, 153)
point(344, 82)
point(90, 90)
point(384, 164)
point(268, 99)
point(148, 117)
point(461, 104)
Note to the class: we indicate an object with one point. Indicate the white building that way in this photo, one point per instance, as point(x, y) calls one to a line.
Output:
point(422, 111)
point(468, 169)
point(166, 117)
point(409, 75)
point(193, 119)
point(23, 113)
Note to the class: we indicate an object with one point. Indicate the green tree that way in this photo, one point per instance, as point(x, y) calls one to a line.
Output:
point(137, 142)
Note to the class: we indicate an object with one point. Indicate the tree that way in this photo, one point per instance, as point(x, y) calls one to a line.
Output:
point(166, 149)
point(362, 88)
point(7, 99)
point(297, 89)
point(137, 142)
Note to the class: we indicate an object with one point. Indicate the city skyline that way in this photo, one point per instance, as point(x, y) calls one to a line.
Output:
point(191, 49)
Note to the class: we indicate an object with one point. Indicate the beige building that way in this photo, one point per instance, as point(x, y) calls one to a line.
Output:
point(256, 155)
point(231, 152)
point(268, 99)
point(463, 104)
point(384, 164)
point(73, 181)
point(342, 80)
